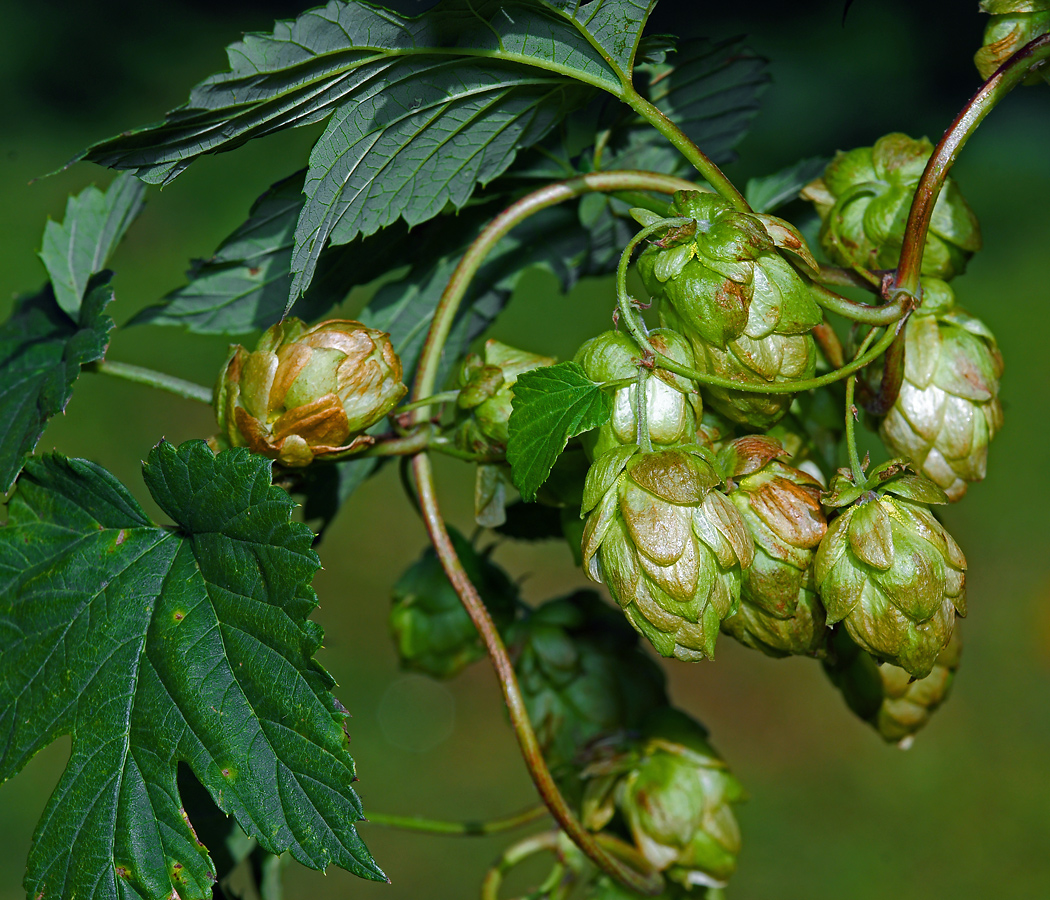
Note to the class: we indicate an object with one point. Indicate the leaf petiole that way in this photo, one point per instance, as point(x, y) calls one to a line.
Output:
point(180, 387)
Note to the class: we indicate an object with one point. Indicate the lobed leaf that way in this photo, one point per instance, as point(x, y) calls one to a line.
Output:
point(153, 646)
point(41, 352)
point(82, 244)
point(551, 404)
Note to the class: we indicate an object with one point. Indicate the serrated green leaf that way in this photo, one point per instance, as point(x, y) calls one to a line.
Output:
point(425, 108)
point(153, 646)
point(773, 191)
point(41, 352)
point(551, 404)
point(82, 244)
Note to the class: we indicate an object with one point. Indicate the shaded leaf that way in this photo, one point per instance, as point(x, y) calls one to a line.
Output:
point(551, 404)
point(41, 352)
point(153, 646)
point(773, 191)
point(79, 247)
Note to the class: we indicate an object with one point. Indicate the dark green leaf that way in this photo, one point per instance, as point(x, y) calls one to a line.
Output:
point(773, 191)
point(531, 522)
point(153, 646)
point(324, 488)
point(80, 247)
point(551, 404)
point(41, 352)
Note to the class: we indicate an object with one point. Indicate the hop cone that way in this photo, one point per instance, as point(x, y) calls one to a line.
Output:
point(1013, 24)
point(675, 794)
point(890, 572)
point(668, 545)
point(308, 392)
point(582, 674)
point(887, 697)
point(780, 613)
point(431, 630)
point(948, 408)
point(672, 405)
point(864, 199)
point(745, 310)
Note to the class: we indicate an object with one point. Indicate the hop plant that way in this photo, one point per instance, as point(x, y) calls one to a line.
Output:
point(745, 309)
point(896, 705)
point(673, 407)
point(864, 198)
point(1013, 24)
point(780, 612)
point(889, 571)
point(668, 545)
point(675, 794)
point(432, 632)
point(948, 407)
point(305, 393)
point(582, 674)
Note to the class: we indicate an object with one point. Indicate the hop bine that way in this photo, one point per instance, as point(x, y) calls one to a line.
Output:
point(889, 571)
point(864, 198)
point(745, 309)
point(948, 407)
point(307, 393)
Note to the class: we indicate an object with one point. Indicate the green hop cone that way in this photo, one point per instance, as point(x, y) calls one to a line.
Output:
point(582, 674)
point(948, 408)
point(889, 571)
point(486, 385)
point(780, 612)
point(1014, 23)
point(432, 632)
point(669, 546)
point(746, 310)
point(675, 794)
point(896, 705)
point(305, 393)
point(864, 198)
point(672, 404)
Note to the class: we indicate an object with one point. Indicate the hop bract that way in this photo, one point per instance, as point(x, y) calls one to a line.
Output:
point(780, 612)
point(673, 406)
point(1013, 24)
point(744, 308)
point(864, 198)
point(668, 545)
point(896, 705)
point(891, 573)
point(675, 794)
point(305, 392)
point(948, 408)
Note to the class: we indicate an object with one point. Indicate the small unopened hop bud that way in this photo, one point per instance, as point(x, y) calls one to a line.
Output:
point(305, 393)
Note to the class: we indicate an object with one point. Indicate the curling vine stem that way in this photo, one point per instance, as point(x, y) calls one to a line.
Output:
point(886, 314)
point(851, 412)
point(631, 319)
point(512, 856)
point(1006, 78)
point(465, 829)
point(188, 390)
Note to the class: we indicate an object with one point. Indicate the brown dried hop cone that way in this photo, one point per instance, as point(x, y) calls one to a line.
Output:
point(747, 312)
point(889, 571)
point(948, 408)
point(780, 612)
point(673, 406)
point(305, 392)
point(1013, 24)
point(669, 545)
point(896, 705)
point(864, 197)
point(675, 793)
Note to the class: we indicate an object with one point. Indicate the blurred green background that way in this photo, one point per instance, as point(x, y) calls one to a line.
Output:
point(833, 812)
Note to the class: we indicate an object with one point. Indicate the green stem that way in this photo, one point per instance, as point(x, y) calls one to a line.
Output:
point(650, 884)
point(714, 175)
point(512, 856)
point(641, 409)
point(632, 321)
point(886, 314)
point(466, 829)
point(1005, 79)
point(188, 390)
point(443, 397)
point(857, 277)
point(851, 414)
